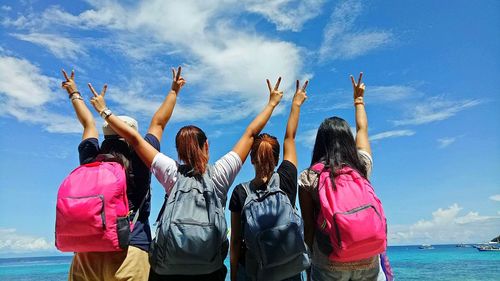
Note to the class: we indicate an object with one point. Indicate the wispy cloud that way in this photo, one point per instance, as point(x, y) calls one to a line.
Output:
point(444, 142)
point(13, 242)
point(495, 197)
point(286, 14)
point(447, 226)
point(392, 134)
point(435, 109)
point(213, 45)
point(59, 46)
point(342, 41)
point(25, 93)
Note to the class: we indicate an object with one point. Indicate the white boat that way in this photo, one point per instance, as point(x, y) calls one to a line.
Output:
point(489, 248)
point(426, 247)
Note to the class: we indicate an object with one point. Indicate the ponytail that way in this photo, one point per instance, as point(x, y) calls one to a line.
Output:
point(265, 154)
point(189, 143)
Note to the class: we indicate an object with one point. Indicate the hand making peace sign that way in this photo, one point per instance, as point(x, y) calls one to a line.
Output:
point(300, 93)
point(98, 100)
point(274, 95)
point(358, 88)
point(69, 85)
point(177, 80)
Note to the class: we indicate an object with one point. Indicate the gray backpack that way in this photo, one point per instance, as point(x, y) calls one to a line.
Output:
point(273, 233)
point(191, 237)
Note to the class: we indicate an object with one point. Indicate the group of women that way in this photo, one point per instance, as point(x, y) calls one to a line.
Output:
point(335, 145)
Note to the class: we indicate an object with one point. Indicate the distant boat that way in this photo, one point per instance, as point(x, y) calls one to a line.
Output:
point(426, 247)
point(462, 245)
point(488, 248)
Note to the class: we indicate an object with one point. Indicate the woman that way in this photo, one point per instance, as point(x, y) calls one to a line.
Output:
point(264, 156)
point(192, 148)
point(336, 147)
point(131, 264)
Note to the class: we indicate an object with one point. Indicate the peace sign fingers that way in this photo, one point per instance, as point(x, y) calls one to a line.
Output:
point(359, 87)
point(103, 92)
point(177, 80)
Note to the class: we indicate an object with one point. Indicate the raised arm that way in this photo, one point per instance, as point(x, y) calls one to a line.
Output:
point(289, 150)
point(145, 151)
point(243, 146)
point(162, 115)
point(362, 141)
point(82, 111)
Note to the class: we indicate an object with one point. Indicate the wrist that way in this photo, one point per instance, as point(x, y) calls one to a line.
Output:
point(272, 104)
point(105, 113)
point(75, 95)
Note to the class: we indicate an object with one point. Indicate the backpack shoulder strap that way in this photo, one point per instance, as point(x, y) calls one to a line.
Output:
point(318, 167)
point(274, 183)
point(136, 216)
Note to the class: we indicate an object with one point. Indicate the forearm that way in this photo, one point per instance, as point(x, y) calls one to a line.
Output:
point(293, 122)
point(121, 128)
point(361, 119)
point(83, 113)
point(163, 114)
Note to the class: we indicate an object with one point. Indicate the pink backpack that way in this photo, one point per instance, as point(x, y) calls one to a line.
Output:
point(92, 209)
point(351, 215)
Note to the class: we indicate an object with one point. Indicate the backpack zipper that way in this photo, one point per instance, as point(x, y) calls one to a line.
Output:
point(103, 212)
point(355, 210)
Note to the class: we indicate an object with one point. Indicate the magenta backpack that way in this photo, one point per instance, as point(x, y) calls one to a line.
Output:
point(351, 215)
point(92, 209)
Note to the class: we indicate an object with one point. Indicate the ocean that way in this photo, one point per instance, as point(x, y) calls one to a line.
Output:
point(444, 262)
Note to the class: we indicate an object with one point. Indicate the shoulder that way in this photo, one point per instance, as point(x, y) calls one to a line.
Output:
point(238, 198)
point(88, 149)
point(308, 179)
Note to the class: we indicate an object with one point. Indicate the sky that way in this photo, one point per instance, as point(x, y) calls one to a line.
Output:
point(431, 71)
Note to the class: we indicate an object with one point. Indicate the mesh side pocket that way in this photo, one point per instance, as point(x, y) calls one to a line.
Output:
point(123, 231)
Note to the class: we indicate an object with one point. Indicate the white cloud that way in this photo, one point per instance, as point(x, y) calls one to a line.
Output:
point(447, 226)
point(13, 242)
point(436, 109)
point(444, 142)
point(307, 138)
point(495, 197)
point(228, 62)
point(342, 41)
point(6, 8)
point(25, 93)
point(392, 134)
point(58, 45)
point(286, 14)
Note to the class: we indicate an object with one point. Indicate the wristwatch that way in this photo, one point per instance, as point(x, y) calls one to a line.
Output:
point(105, 113)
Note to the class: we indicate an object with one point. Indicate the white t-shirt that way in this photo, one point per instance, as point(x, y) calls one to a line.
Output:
point(224, 172)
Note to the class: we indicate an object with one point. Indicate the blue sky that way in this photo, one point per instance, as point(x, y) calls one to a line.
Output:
point(431, 70)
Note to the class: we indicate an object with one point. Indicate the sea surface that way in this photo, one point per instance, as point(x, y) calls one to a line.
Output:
point(444, 262)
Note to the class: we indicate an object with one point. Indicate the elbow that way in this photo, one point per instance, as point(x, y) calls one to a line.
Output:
point(89, 123)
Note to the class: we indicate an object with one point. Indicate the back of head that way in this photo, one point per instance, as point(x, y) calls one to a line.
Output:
point(190, 141)
point(265, 154)
point(336, 147)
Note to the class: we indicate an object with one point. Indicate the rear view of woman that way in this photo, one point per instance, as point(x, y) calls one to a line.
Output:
point(266, 233)
point(178, 253)
point(337, 178)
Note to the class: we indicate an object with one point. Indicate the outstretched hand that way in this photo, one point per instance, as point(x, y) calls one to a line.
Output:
point(274, 94)
point(358, 88)
point(300, 93)
point(177, 80)
point(69, 85)
point(98, 100)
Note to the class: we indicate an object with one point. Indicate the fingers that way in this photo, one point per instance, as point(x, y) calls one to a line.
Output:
point(103, 92)
point(360, 76)
point(305, 85)
point(65, 75)
point(178, 73)
point(277, 84)
point(297, 86)
point(92, 90)
point(173, 73)
point(72, 74)
point(269, 85)
point(353, 82)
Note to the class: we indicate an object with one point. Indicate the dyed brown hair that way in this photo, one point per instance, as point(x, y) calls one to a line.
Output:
point(265, 154)
point(189, 143)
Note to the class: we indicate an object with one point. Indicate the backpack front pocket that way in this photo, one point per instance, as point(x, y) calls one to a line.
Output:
point(79, 216)
point(280, 244)
point(358, 225)
point(194, 243)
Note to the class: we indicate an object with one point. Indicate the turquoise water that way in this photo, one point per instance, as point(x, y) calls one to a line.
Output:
point(445, 262)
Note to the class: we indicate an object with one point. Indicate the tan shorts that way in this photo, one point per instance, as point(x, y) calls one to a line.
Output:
point(130, 265)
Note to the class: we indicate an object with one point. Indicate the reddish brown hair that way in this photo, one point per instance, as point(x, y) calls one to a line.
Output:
point(189, 143)
point(265, 154)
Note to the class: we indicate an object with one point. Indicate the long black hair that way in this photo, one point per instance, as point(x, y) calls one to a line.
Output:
point(335, 147)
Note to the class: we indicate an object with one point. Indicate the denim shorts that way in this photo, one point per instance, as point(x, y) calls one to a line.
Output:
point(318, 274)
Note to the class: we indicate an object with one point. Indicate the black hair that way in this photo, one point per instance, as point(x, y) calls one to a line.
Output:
point(335, 147)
